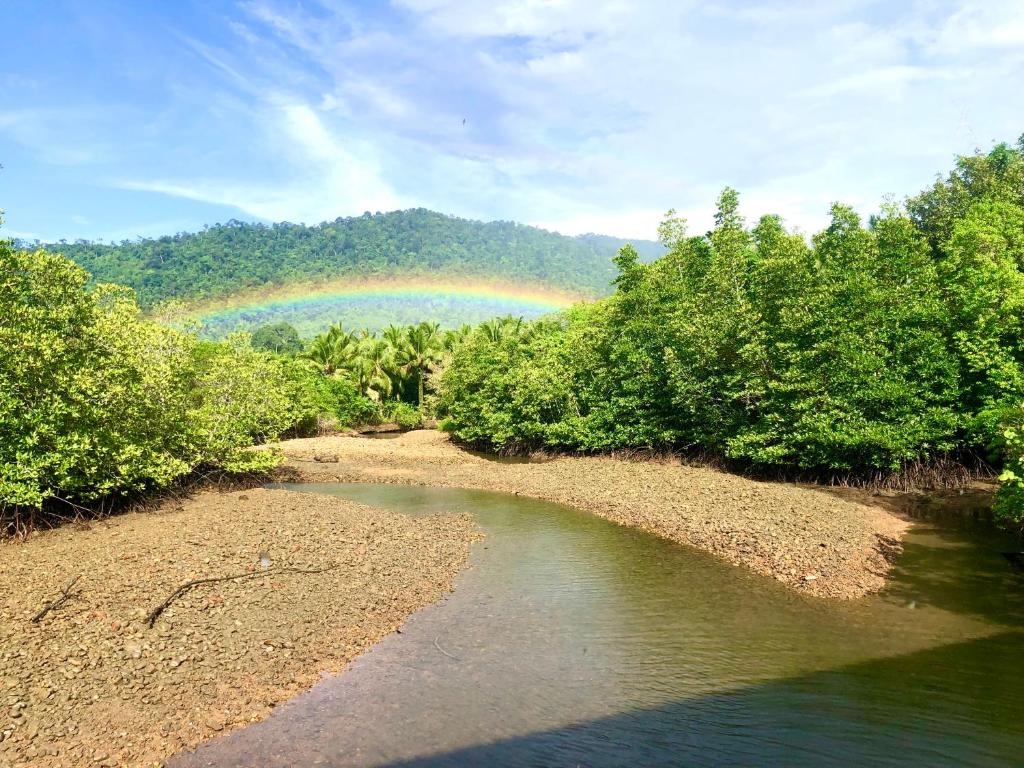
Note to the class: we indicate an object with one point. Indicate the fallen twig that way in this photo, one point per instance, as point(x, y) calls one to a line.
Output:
point(65, 595)
point(442, 650)
point(155, 613)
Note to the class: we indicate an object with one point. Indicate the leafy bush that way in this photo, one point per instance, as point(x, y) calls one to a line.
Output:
point(97, 400)
point(1009, 507)
point(405, 415)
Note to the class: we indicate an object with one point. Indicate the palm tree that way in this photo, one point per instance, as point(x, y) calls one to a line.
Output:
point(453, 338)
point(375, 367)
point(333, 351)
point(421, 350)
point(502, 327)
point(394, 337)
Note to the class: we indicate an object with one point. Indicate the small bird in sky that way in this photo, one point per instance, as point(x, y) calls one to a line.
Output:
point(463, 121)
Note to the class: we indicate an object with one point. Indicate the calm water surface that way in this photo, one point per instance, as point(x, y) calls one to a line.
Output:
point(571, 641)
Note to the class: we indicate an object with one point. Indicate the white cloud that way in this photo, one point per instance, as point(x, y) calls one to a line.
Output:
point(567, 19)
point(640, 224)
point(334, 176)
point(56, 136)
point(981, 25)
point(596, 116)
point(883, 81)
point(580, 115)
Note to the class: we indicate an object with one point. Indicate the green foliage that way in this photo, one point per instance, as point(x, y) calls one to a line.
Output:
point(97, 400)
point(1009, 506)
point(277, 337)
point(395, 365)
point(405, 415)
point(868, 348)
point(316, 396)
point(226, 258)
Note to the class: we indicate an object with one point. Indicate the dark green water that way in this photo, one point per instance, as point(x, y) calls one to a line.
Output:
point(571, 641)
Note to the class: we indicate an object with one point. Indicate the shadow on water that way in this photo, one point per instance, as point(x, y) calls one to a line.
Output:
point(573, 641)
point(954, 558)
point(885, 712)
point(971, 574)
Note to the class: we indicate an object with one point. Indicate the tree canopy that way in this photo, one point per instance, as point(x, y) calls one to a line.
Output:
point(873, 346)
point(227, 258)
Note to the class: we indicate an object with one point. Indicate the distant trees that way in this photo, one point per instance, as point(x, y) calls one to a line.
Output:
point(394, 365)
point(230, 257)
point(277, 337)
point(869, 348)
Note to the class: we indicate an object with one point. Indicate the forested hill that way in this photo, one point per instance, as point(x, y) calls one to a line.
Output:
point(226, 258)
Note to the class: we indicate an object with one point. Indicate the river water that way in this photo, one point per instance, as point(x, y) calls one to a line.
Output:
point(571, 641)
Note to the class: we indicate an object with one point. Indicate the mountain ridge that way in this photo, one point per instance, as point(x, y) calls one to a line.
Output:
point(224, 259)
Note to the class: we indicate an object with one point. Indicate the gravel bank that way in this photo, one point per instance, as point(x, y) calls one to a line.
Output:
point(90, 684)
point(816, 540)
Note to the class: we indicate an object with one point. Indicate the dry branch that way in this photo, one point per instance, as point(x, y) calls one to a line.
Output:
point(155, 613)
point(65, 595)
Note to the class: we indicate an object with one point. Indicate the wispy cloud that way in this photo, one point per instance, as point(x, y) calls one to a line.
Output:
point(339, 175)
point(981, 25)
point(578, 115)
point(884, 82)
point(55, 135)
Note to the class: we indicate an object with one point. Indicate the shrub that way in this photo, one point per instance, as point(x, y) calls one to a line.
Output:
point(405, 415)
point(1009, 507)
point(96, 400)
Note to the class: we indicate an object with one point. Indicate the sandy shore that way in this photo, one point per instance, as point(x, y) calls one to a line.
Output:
point(816, 540)
point(91, 684)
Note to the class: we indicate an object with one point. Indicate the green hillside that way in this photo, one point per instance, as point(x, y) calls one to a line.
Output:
point(228, 258)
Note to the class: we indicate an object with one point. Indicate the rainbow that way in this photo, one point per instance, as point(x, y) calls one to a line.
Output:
point(373, 302)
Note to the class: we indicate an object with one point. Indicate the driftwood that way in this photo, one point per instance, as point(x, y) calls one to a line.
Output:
point(155, 613)
point(65, 595)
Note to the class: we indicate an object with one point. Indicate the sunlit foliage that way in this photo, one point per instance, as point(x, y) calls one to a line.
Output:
point(227, 258)
point(96, 400)
point(873, 346)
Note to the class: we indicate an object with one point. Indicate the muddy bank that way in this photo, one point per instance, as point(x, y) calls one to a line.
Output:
point(813, 539)
point(91, 684)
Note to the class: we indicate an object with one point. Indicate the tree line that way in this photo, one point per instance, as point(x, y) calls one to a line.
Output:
point(872, 348)
point(227, 258)
point(100, 401)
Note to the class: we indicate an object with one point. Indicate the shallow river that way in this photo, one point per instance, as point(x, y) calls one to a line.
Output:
point(571, 641)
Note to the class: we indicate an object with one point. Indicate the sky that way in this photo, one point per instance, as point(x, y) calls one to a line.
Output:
point(121, 119)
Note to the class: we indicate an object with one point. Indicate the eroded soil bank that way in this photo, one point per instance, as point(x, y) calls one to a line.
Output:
point(91, 684)
point(814, 539)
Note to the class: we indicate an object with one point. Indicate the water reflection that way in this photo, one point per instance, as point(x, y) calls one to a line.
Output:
point(571, 640)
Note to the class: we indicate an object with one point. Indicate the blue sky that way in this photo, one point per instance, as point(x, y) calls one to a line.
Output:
point(120, 119)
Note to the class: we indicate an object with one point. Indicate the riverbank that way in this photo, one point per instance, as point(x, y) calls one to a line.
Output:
point(91, 683)
point(826, 542)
